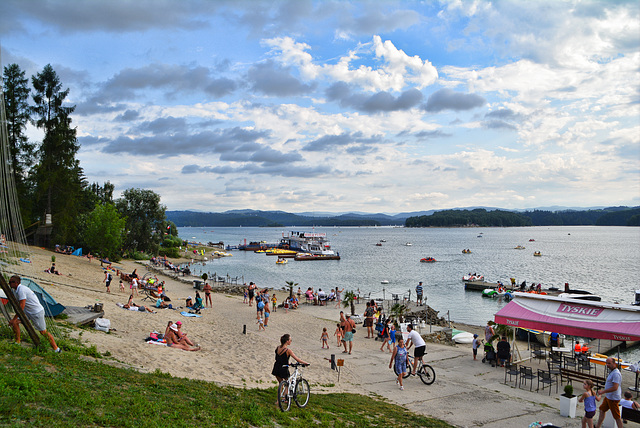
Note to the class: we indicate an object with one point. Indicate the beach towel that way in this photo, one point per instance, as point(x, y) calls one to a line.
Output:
point(187, 314)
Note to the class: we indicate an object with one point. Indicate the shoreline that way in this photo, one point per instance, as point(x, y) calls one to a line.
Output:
point(461, 382)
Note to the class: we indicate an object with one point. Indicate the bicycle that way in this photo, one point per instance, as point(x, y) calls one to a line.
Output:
point(425, 371)
point(295, 388)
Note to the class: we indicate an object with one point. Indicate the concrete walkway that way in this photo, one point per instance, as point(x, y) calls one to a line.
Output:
point(466, 393)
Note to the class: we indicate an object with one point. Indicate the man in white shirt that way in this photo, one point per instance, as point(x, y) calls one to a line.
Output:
point(414, 338)
point(32, 308)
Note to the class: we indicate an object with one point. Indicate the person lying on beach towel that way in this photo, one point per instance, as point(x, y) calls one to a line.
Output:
point(134, 307)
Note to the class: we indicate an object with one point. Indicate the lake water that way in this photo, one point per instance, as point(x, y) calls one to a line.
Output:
point(602, 260)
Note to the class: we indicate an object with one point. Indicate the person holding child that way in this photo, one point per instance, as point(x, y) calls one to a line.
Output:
point(324, 338)
point(589, 397)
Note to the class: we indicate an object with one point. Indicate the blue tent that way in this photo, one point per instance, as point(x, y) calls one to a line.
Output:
point(77, 252)
point(51, 307)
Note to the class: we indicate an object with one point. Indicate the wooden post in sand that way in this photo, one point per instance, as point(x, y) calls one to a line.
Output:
point(16, 306)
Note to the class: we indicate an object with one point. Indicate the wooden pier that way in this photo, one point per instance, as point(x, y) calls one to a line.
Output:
point(603, 346)
point(81, 315)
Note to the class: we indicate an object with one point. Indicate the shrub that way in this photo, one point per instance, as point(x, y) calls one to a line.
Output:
point(568, 390)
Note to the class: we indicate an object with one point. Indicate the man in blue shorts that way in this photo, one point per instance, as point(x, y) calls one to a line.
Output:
point(347, 325)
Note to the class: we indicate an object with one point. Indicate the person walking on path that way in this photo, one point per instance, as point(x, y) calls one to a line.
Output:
point(280, 369)
point(419, 291)
point(414, 338)
point(368, 320)
point(347, 325)
point(589, 397)
point(32, 308)
point(399, 356)
point(613, 394)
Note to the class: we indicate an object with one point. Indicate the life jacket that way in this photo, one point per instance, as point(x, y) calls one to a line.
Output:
point(578, 348)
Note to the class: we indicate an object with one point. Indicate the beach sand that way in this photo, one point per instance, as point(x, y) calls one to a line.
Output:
point(466, 392)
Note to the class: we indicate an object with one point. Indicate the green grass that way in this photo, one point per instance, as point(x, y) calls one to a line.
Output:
point(41, 388)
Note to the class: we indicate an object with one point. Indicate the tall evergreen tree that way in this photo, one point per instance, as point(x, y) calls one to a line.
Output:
point(21, 151)
point(59, 178)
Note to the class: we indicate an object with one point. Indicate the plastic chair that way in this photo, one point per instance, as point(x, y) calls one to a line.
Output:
point(526, 373)
point(544, 377)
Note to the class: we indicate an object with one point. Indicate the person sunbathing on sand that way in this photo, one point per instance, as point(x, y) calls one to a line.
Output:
point(173, 341)
point(133, 307)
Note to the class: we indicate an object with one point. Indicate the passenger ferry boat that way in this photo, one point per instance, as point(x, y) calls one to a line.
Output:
point(314, 244)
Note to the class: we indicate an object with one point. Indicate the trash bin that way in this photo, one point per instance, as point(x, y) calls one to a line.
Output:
point(197, 284)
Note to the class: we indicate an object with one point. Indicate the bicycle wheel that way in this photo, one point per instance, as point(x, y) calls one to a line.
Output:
point(427, 374)
point(284, 399)
point(302, 393)
point(406, 374)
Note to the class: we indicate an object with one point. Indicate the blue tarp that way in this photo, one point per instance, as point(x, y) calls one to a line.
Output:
point(77, 252)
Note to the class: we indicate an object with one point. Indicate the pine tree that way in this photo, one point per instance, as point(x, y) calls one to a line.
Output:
point(59, 179)
point(21, 151)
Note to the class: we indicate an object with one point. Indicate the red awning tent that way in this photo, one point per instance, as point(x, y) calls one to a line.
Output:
point(572, 317)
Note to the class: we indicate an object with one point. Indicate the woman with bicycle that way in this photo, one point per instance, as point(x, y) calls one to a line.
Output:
point(400, 357)
point(280, 369)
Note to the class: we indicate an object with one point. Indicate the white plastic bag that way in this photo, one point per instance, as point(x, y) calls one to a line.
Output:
point(103, 324)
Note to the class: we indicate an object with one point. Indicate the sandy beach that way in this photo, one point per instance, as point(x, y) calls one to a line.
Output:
point(466, 393)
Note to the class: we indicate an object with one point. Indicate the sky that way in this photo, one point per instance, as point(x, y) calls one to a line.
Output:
point(338, 106)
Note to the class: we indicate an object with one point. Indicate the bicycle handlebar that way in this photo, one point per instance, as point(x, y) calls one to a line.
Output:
point(296, 365)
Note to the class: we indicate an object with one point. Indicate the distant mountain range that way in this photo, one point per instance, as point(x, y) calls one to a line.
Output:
point(622, 216)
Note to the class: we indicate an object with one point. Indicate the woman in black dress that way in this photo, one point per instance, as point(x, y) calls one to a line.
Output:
point(280, 371)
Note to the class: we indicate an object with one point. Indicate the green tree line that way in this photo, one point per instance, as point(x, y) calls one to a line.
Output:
point(50, 183)
point(613, 216)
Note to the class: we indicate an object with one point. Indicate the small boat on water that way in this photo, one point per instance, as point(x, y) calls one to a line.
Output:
point(378, 244)
point(427, 260)
point(581, 296)
point(309, 256)
point(537, 254)
point(519, 247)
point(408, 244)
point(473, 277)
point(282, 261)
point(601, 359)
point(384, 281)
point(383, 240)
point(532, 240)
point(466, 251)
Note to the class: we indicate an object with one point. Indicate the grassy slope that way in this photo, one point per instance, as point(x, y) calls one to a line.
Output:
point(40, 388)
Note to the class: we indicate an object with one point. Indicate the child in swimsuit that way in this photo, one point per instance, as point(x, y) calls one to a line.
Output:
point(325, 338)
